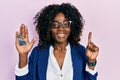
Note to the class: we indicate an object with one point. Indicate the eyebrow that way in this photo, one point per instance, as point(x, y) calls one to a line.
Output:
point(59, 21)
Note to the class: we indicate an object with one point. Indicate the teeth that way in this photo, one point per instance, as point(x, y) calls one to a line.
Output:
point(61, 35)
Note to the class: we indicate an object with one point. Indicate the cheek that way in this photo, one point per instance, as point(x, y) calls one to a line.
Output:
point(68, 31)
point(53, 32)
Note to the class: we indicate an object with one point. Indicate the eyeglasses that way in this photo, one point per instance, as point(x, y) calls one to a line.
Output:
point(65, 24)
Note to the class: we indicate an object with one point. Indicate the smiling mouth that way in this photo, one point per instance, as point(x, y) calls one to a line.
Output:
point(61, 35)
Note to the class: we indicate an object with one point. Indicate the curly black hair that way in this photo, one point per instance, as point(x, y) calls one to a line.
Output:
point(48, 13)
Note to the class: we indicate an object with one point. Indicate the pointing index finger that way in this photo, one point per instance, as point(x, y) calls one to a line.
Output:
point(89, 37)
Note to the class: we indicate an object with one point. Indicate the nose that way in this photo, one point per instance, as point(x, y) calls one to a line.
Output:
point(61, 27)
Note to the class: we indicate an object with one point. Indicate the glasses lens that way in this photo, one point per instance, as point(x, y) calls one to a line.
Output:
point(66, 24)
point(55, 24)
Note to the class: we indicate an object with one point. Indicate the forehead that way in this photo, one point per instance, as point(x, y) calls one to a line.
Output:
point(60, 17)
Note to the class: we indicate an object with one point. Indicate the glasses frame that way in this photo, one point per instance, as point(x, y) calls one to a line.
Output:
point(61, 23)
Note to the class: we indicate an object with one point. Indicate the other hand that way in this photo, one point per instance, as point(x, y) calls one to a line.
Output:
point(24, 49)
point(91, 50)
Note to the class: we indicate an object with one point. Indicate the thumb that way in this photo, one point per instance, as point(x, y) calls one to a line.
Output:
point(33, 41)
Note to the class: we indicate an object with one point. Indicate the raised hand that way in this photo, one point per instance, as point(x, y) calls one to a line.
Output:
point(91, 50)
point(23, 50)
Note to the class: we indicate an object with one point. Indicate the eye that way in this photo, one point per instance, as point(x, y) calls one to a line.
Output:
point(54, 24)
point(66, 24)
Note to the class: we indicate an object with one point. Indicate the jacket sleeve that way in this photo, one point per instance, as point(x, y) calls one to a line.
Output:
point(89, 76)
point(86, 75)
point(31, 63)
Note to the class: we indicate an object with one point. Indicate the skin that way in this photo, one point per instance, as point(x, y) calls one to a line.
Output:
point(60, 36)
point(24, 49)
point(91, 51)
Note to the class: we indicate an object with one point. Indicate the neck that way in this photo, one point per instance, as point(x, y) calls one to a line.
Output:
point(60, 46)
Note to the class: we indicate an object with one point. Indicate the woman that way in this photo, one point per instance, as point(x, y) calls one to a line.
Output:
point(59, 55)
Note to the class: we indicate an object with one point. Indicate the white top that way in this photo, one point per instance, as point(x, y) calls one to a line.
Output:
point(53, 71)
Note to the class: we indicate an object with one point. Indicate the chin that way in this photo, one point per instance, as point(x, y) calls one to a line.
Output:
point(61, 41)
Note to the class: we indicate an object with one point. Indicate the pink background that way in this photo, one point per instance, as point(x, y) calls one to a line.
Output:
point(102, 18)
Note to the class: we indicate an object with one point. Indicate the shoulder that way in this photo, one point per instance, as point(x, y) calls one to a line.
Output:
point(82, 51)
point(35, 49)
point(81, 48)
point(38, 50)
point(34, 52)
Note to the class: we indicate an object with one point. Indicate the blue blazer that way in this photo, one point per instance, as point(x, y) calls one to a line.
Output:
point(38, 62)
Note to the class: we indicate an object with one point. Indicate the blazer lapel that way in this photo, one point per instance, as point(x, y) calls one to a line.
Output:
point(77, 63)
point(43, 63)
